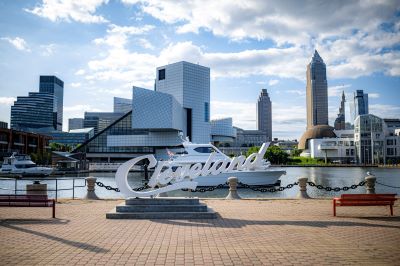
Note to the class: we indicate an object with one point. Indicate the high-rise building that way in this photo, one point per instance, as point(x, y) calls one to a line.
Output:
point(317, 104)
point(54, 86)
point(189, 84)
point(34, 113)
point(75, 123)
point(317, 92)
point(122, 105)
point(264, 114)
point(360, 103)
point(340, 122)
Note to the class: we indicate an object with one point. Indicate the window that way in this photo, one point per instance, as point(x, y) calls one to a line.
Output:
point(206, 112)
point(161, 74)
point(205, 149)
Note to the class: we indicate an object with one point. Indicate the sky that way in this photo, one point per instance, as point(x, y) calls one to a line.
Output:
point(101, 48)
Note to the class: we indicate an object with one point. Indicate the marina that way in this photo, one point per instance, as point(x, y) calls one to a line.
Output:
point(325, 176)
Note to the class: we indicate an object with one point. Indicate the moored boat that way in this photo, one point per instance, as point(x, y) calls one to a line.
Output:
point(23, 165)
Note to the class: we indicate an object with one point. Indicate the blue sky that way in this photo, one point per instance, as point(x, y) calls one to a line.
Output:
point(100, 49)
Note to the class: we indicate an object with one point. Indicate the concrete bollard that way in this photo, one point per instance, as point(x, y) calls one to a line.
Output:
point(91, 184)
point(233, 194)
point(303, 188)
point(370, 180)
point(36, 188)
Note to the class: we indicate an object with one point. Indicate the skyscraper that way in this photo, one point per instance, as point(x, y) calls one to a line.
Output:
point(264, 114)
point(317, 92)
point(35, 113)
point(360, 103)
point(340, 122)
point(54, 86)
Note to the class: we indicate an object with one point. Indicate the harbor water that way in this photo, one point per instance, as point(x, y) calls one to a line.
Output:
point(325, 176)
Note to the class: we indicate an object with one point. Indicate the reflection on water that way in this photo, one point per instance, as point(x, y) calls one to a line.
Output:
point(325, 176)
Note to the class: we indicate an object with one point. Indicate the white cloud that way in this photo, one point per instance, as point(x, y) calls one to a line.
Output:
point(69, 10)
point(242, 113)
point(145, 44)
point(80, 72)
point(273, 82)
point(274, 19)
point(373, 95)
point(298, 92)
point(7, 100)
point(18, 43)
point(117, 36)
point(76, 84)
point(48, 50)
point(336, 91)
point(385, 110)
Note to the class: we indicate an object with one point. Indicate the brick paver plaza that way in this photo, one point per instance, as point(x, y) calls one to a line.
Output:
point(248, 232)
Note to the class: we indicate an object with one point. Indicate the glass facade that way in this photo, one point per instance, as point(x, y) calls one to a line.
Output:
point(54, 86)
point(122, 126)
point(264, 114)
point(122, 105)
point(317, 92)
point(36, 112)
point(360, 103)
point(369, 139)
point(100, 120)
point(75, 123)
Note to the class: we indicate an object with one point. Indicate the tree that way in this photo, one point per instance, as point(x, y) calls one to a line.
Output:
point(276, 155)
point(295, 152)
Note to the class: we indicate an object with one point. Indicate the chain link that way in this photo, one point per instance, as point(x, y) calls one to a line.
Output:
point(100, 184)
point(265, 189)
point(336, 189)
point(205, 189)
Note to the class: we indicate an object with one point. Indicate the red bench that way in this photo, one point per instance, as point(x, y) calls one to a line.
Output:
point(28, 201)
point(365, 200)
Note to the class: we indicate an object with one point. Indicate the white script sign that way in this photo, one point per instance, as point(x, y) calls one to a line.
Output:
point(182, 177)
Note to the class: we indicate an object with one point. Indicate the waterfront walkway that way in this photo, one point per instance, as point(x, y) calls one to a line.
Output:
point(248, 232)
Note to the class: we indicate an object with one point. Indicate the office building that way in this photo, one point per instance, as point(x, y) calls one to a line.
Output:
point(73, 137)
point(75, 123)
point(99, 120)
point(122, 105)
point(264, 114)
point(35, 113)
point(317, 92)
point(340, 121)
point(360, 103)
point(54, 86)
point(317, 103)
point(3, 124)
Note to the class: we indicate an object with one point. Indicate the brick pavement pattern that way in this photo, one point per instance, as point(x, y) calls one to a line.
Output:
point(248, 232)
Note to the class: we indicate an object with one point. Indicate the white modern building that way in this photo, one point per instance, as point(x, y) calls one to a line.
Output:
point(371, 142)
point(222, 131)
point(179, 105)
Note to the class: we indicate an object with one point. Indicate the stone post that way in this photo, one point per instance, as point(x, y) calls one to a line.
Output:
point(233, 194)
point(36, 188)
point(91, 184)
point(303, 188)
point(370, 183)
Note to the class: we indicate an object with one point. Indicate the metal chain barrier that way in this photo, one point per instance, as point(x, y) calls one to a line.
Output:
point(336, 189)
point(100, 184)
point(265, 189)
point(205, 189)
point(385, 185)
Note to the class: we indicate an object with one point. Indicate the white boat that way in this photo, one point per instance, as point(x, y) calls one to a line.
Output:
point(23, 165)
point(199, 153)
